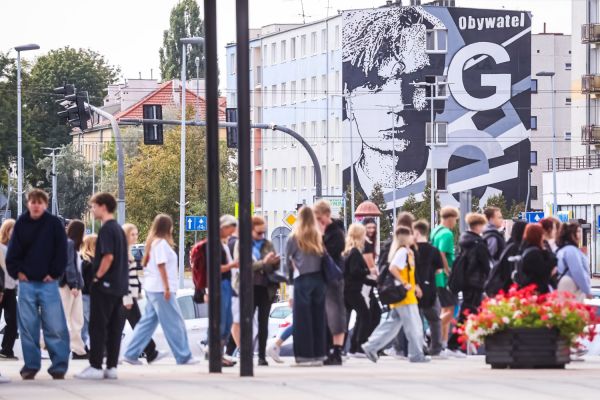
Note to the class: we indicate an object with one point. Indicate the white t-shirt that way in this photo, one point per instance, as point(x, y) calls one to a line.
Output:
point(161, 253)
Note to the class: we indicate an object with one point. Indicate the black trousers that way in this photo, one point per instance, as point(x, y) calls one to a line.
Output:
point(107, 319)
point(133, 317)
point(9, 306)
point(355, 301)
point(262, 302)
point(471, 302)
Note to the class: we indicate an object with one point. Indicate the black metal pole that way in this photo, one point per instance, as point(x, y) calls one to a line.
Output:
point(245, 189)
point(212, 162)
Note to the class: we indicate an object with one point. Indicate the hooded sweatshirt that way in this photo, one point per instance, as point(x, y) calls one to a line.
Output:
point(478, 267)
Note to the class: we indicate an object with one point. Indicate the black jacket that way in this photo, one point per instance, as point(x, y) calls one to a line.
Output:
point(427, 260)
point(37, 248)
point(355, 271)
point(72, 276)
point(537, 268)
point(334, 241)
point(478, 260)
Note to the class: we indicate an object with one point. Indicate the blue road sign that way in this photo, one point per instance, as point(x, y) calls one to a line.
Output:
point(195, 223)
point(536, 216)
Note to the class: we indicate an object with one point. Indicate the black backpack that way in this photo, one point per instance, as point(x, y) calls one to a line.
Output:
point(499, 239)
point(456, 280)
point(518, 276)
point(502, 272)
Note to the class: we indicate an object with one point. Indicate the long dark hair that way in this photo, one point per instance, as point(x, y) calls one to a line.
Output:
point(75, 232)
point(568, 234)
point(516, 234)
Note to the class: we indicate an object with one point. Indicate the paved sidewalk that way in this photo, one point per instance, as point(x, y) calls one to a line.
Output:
point(358, 379)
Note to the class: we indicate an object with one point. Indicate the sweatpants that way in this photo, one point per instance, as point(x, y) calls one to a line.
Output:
point(107, 319)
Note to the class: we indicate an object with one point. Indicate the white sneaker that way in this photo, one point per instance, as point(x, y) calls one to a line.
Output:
point(440, 356)
point(358, 354)
point(453, 353)
point(161, 354)
point(273, 352)
point(191, 361)
point(4, 379)
point(90, 373)
point(110, 373)
point(131, 361)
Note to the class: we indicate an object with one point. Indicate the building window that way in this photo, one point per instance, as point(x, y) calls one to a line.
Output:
point(303, 89)
point(440, 135)
point(266, 180)
point(437, 40)
point(534, 193)
point(293, 179)
point(313, 87)
point(568, 136)
point(303, 130)
point(273, 95)
point(337, 82)
point(273, 53)
point(313, 43)
point(533, 123)
point(283, 94)
point(534, 86)
point(293, 48)
point(568, 101)
point(274, 183)
point(337, 36)
point(324, 41)
point(303, 46)
point(324, 128)
point(441, 179)
point(303, 177)
point(312, 176)
point(283, 51)
point(284, 179)
point(324, 177)
point(338, 175)
point(313, 130)
point(232, 64)
point(337, 128)
point(568, 66)
point(533, 158)
point(293, 91)
point(324, 85)
point(265, 53)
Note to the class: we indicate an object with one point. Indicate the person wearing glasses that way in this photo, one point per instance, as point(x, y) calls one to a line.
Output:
point(265, 262)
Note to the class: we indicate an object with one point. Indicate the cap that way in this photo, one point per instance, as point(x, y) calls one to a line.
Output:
point(227, 220)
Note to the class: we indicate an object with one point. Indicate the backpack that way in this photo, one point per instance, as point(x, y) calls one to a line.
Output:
point(456, 280)
point(382, 262)
point(389, 292)
point(518, 276)
point(499, 239)
point(198, 260)
point(502, 271)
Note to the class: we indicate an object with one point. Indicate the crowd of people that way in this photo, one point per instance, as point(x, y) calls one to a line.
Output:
point(333, 274)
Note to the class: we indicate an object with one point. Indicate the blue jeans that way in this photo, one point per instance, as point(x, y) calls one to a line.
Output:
point(168, 314)
point(309, 317)
point(226, 314)
point(289, 331)
point(40, 303)
point(86, 318)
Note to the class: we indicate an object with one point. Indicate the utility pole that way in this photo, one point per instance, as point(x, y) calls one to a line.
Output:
point(54, 180)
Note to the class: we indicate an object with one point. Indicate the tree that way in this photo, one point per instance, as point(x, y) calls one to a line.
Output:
point(498, 201)
point(74, 181)
point(421, 209)
point(385, 222)
point(346, 212)
point(184, 22)
point(152, 179)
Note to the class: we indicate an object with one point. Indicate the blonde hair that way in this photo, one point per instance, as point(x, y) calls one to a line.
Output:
point(449, 212)
point(306, 232)
point(322, 207)
point(88, 247)
point(161, 229)
point(402, 238)
point(6, 230)
point(128, 228)
point(355, 239)
point(473, 219)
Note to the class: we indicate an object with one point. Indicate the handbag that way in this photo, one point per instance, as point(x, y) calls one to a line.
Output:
point(331, 271)
point(199, 296)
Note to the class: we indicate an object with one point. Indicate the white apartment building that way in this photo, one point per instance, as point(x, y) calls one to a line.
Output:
point(550, 52)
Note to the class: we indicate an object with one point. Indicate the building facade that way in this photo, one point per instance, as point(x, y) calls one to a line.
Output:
point(365, 105)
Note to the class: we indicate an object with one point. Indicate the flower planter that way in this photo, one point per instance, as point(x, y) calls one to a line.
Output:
point(527, 348)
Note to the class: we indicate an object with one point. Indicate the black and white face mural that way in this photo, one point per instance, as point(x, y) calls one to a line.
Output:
point(485, 55)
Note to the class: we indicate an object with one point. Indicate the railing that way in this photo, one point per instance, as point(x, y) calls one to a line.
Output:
point(590, 33)
point(579, 162)
point(590, 84)
point(590, 134)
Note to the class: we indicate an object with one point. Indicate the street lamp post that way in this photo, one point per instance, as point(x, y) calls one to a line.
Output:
point(554, 201)
point(19, 49)
point(185, 42)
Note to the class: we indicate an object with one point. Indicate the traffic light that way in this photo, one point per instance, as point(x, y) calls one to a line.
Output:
point(153, 133)
point(75, 113)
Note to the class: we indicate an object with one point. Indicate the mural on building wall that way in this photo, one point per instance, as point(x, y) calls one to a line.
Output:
point(483, 55)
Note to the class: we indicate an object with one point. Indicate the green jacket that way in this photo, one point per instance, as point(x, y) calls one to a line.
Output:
point(260, 269)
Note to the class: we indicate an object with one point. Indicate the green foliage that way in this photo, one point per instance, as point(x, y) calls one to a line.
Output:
point(74, 181)
point(346, 212)
point(184, 22)
point(475, 204)
point(499, 201)
point(422, 209)
point(385, 223)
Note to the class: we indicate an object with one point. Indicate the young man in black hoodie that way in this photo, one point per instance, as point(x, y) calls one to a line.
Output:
point(37, 256)
point(477, 268)
point(335, 308)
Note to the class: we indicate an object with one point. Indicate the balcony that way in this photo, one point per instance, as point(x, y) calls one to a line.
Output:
point(573, 163)
point(590, 135)
point(590, 84)
point(590, 33)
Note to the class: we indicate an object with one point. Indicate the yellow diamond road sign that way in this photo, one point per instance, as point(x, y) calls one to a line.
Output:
point(290, 219)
